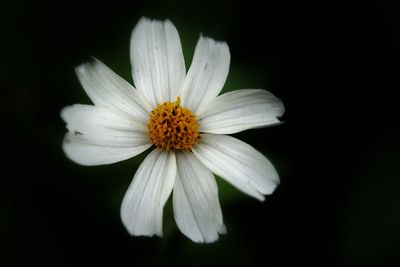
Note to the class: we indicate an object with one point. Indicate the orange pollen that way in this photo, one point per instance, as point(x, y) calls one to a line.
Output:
point(173, 127)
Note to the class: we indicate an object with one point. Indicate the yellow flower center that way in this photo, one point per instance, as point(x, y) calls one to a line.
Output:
point(173, 127)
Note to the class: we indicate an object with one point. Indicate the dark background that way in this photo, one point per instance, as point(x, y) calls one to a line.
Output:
point(333, 63)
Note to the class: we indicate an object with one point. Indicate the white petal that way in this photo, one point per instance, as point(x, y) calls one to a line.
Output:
point(240, 110)
point(142, 207)
point(195, 199)
point(207, 74)
point(99, 135)
point(238, 163)
point(105, 88)
point(158, 66)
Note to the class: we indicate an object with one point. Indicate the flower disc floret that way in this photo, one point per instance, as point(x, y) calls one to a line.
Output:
point(173, 127)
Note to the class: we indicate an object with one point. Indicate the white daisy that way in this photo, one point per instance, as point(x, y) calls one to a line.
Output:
point(182, 117)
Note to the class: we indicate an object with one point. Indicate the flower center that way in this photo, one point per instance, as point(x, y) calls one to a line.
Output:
point(173, 127)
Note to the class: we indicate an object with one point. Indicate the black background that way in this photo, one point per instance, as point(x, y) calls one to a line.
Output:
point(333, 63)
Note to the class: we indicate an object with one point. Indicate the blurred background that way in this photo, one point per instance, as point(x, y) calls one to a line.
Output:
point(333, 63)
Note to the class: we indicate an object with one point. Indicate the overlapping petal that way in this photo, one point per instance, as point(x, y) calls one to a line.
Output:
point(207, 73)
point(142, 206)
point(195, 200)
point(158, 66)
point(106, 89)
point(238, 163)
point(99, 135)
point(240, 110)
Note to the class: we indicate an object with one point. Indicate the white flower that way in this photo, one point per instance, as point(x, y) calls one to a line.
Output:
point(180, 114)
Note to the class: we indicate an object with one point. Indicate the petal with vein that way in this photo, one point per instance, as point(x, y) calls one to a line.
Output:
point(238, 163)
point(99, 135)
point(106, 89)
point(142, 206)
point(158, 66)
point(240, 110)
point(207, 74)
point(195, 200)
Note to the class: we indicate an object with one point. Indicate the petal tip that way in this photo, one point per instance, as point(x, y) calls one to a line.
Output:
point(64, 113)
